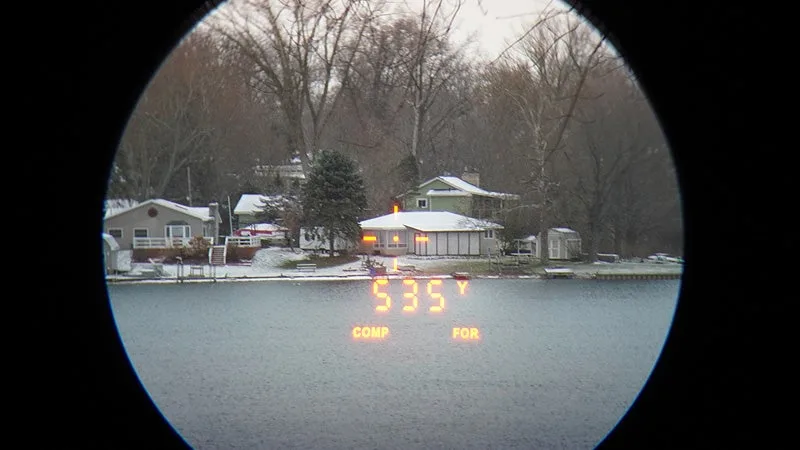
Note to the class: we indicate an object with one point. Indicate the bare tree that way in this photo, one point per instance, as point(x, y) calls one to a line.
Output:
point(300, 51)
point(171, 126)
point(431, 61)
point(610, 137)
point(551, 64)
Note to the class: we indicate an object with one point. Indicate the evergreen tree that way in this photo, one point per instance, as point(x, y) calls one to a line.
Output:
point(408, 173)
point(334, 199)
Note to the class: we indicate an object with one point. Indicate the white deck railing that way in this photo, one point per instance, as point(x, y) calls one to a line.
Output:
point(160, 242)
point(243, 241)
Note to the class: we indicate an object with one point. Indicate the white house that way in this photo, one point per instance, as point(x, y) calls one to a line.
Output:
point(429, 233)
point(250, 205)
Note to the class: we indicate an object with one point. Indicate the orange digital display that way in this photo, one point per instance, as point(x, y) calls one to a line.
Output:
point(408, 291)
point(436, 296)
point(411, 295)
point(370, 238)
point(370, 332)
point(466, 334)
point(380, 288)
point(376, 289)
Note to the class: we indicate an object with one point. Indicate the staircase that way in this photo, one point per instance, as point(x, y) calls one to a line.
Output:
point(217, 255)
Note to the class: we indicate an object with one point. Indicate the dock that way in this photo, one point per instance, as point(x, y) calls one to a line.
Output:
point(558, 272)
point(636, 276)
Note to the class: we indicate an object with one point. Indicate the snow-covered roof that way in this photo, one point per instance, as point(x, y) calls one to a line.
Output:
point(253, 203)
point(530, 238)
point(461, 185)
point(563, 230)
point(447, 193)
point(201, 213)
point(429, 221)
point(116, 205)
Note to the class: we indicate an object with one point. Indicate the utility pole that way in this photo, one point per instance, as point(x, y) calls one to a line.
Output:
point(230, 218)
point(189, 178)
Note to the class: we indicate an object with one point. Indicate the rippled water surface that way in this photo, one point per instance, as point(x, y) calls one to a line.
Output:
point(275, 364)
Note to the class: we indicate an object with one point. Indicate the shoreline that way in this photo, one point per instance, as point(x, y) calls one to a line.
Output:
point(606, 276)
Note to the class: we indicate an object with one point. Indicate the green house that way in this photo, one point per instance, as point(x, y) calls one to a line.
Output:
point(453, 194)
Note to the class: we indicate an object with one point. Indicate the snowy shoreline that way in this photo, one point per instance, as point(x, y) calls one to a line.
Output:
point(299, 278)
point(266, 266)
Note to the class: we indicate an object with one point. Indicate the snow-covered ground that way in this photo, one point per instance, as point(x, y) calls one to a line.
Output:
point(267, 264)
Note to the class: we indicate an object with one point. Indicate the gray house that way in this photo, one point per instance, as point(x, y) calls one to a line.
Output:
point(161, 223)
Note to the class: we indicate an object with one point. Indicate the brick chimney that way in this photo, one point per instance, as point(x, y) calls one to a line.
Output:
point(472, 178)
point(213, 212)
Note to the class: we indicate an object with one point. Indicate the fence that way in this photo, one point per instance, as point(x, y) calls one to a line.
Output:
point(244, 241)
point(160, 242)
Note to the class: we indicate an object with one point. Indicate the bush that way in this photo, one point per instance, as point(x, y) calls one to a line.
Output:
point(233, 253)
point(198, 248)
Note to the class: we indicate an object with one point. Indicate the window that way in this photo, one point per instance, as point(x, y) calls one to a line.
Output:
point(422, 203)
point(177, 231)
point(397, 239)
point(488, 234)
point(115, 232)
point(141, 232)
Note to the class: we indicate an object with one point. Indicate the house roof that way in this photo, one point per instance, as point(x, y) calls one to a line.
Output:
point(115, 205)
point(428, 221)
point(447, 193)
point(201, 213)
point(252, 203)
point(563, 230)
point(470, 189)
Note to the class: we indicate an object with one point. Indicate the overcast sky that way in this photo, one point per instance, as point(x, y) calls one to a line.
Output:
point(498, 22)
point(494, 22)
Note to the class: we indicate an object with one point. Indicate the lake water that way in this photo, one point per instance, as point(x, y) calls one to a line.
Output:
point(275, 364)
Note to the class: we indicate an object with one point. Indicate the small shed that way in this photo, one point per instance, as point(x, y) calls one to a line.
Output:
point(524, 246)
point(110, 253)
point(563, 244)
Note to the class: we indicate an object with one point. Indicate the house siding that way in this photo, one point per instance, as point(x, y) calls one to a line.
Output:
point(458, 205)
point(473, 206)
point(138, 218)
